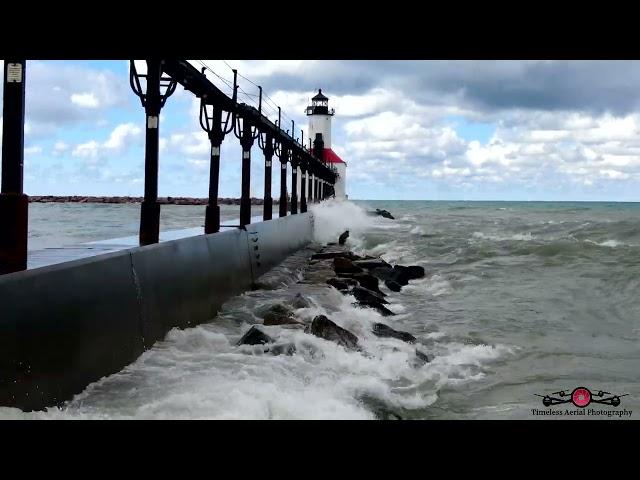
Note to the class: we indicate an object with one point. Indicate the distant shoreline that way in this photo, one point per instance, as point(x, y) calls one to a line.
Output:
point(120, 200)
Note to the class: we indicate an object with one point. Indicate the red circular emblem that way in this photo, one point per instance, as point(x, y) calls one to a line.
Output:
point(581, 397)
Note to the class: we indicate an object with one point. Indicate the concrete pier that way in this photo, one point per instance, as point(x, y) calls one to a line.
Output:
point(65, 325)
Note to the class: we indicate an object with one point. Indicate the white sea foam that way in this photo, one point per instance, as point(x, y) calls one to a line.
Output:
point(200, 373)
point(464, 354)
point(607, 243)
point(392, 252)
point(333, 217)
point(525, 237)
point(434, 285)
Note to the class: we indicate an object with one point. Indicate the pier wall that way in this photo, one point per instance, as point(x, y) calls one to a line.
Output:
point(67, 325)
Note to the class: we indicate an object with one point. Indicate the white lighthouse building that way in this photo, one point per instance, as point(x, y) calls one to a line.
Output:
point(320, 122)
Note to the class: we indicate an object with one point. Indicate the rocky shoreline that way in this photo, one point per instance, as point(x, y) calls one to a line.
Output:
point(161, 200)
point(350, 274)
point(360, 276)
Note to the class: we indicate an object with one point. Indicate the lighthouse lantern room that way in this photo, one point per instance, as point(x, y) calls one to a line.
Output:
point(320, 123)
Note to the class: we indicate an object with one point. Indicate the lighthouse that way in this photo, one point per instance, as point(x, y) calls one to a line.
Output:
point(320, 123)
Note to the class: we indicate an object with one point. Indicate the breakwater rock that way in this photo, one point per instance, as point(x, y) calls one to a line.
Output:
point(381, 213)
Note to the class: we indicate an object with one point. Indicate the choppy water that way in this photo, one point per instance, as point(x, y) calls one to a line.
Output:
point(519, 299)
point(61, 224)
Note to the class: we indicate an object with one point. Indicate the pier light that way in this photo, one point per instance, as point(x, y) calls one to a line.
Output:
point(320, 117)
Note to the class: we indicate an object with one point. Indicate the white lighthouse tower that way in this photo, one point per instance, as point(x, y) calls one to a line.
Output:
point(320, 122)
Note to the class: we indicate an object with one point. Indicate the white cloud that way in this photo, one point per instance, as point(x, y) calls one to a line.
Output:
point(388, 133)
point(59, 148)
point(59, 94)
point(200, 165)
point(257, 68)
point(121, 135)
point(87, 100)
point(34, 150)
point(195, 144)
point(88, 149)
point(527, 148)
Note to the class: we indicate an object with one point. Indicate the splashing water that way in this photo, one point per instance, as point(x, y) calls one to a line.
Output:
point(537, 301)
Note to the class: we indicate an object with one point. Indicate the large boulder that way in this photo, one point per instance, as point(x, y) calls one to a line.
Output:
point(381, 309)
point(273, 319)
point(263, 286)
point(300, 302)
point(255, 336)
point(369, 263)
point(334, 254)
point(422, 357)
point(342, 239)
point(367, 298)
point(342, 284)
point(384, 273)
point(344, 265)
point(279, 314)
point(398, 274)
point(364, 295)
point(368, 281)
point(384, 213)
point(393, 286)
point(324, 328)
point(385, 331)
point(411, 272)
point(278, 309)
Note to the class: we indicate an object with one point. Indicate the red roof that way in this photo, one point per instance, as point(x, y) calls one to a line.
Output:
point(332, 157)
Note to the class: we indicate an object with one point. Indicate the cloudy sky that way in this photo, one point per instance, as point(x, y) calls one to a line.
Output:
point(442, 130)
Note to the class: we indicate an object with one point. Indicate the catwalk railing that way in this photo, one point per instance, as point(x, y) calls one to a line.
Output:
point(220, 115)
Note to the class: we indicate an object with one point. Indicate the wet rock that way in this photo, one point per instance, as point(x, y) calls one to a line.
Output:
point(282, 349)
point(300, 302)
point(384, 413)
point(384, 213)
point(383, 273)
point(255, 337)
point(324, 328)
point(342, 284)
point(279, 314)
point(343, 238)
point(367, 298)
point(279, 309)
point(398, 274)
point(411, 272)
point(423, 357)
point(393, 286)
point(344, 265)
point(370, 263)
point(318, 275)
point(364, 295)
point(367, 281)
point(271, 319)
point(385, 331)
point(332, 255)
point(381, 309)
point(262, 286)
point(390, 274)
